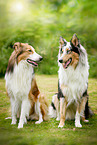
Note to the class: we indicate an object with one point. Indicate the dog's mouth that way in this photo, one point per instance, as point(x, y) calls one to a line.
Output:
point(67, 63)
point(32, 62)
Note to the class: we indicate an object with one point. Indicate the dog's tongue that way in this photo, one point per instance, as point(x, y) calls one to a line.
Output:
point(65, 66)
point(32, 62)
point(35, 63)
point(66, 63)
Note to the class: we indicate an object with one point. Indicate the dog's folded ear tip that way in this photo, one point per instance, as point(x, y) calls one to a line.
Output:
point(75, 34)
point(16, 45)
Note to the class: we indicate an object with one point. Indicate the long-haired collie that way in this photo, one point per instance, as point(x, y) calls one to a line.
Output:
point(72, 97)
point(21, 85)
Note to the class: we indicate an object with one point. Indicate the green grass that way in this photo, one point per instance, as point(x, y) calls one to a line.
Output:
point(47, 133)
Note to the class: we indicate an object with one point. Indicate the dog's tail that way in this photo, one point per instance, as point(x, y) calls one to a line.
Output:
point(88, 112)
point(52, 108)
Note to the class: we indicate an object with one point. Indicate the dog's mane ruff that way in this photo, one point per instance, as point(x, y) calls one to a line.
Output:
point(19, 82)
point(75, 79)
point(83, 56)
point(11, 62)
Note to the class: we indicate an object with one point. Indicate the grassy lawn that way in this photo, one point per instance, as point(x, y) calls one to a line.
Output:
point(47, 133)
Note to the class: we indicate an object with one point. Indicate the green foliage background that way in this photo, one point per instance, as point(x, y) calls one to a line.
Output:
point(41, 23)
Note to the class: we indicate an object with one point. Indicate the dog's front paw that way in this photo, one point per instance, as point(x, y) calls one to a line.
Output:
point(20, 125)
point(60, 125)
point(38, 122)
point(13, 121)
point(86, 121)
point(77, 124)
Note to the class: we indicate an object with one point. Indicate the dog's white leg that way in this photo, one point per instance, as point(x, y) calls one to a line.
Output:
point(62, 112)
point(14, 109)
point(25, 108)
point(40, 118)
point(77, 120)
point(77, 117)
point(38, 110)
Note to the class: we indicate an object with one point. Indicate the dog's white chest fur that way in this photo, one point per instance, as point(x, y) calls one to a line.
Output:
point(18, 83)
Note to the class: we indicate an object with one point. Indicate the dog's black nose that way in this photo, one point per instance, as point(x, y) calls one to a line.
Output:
point(61, 60)
point(41, 58)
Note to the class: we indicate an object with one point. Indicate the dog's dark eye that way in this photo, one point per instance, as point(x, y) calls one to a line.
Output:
point(30, 50)
point(61, 50)
point(68, 51)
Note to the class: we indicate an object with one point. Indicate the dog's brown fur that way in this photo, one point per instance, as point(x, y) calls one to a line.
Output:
point(33, 96)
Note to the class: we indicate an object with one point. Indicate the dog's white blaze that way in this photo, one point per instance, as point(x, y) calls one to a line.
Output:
point(64, 52)
point(35, 56)
point(32, 49)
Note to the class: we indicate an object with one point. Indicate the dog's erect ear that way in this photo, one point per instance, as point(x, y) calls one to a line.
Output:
point(62, 41)
point(75, 41)
point(16, 45)
point(75, 44)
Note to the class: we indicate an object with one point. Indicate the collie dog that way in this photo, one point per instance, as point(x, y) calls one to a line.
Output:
point(72, 97)
point(21, 85)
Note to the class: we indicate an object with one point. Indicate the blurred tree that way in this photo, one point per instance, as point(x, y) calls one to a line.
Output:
point(41, 23)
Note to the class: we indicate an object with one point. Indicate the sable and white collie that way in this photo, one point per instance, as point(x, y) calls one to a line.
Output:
point(21, 85)
point(72, 97)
